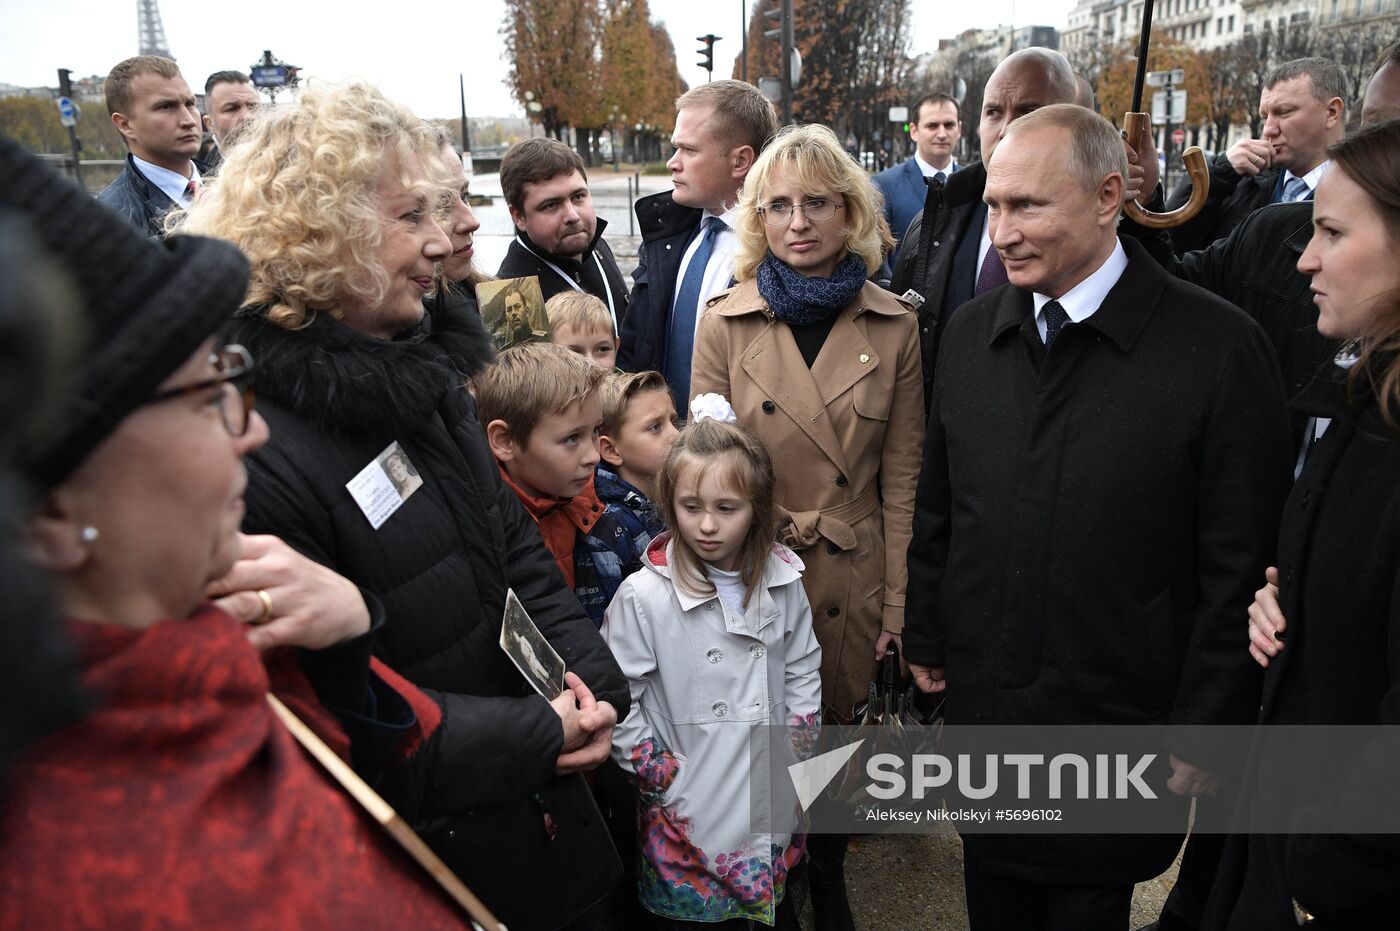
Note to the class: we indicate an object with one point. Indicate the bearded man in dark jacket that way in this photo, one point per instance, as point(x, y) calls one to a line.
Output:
point(558, 234)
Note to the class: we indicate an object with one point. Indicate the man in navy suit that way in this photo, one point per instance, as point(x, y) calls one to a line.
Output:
point(935, 129)
point(688, 234)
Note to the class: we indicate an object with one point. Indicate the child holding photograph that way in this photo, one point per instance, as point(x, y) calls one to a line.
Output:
point(581, 323)
point(542, 412)
point(715, 598)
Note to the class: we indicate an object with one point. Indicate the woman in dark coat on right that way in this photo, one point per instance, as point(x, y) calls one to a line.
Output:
point(1333, 592)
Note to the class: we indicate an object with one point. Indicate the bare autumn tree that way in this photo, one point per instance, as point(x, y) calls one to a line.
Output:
point(881, 77)
point(855, 61)
point(589, 62)
point(552, 47)
point(657, 103)
point(1092, 58)
point(1227, 83)
point(1354, 48)
point(975, 68)
point(1116, 86)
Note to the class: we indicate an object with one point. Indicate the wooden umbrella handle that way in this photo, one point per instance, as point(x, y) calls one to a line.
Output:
point(1135, 127)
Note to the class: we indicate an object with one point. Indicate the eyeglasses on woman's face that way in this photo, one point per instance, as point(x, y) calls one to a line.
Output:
point(816, 210)
point(234, 365)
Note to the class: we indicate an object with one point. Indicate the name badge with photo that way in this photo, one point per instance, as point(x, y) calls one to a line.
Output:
point(385, 484)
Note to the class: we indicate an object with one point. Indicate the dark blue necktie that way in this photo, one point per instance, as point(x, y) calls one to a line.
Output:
point(1055, 317)
point(940, 177)
point(682, 344)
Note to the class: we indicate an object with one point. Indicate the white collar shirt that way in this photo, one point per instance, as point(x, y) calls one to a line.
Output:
point(929, 171)
point(1310, 179)
point(986, 241)
point(171, 182)
point(1084, 299)
point(719, 272)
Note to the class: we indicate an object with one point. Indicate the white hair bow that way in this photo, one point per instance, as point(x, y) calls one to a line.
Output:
point(711, 405)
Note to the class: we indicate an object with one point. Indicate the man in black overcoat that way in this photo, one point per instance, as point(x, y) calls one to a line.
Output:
point(1107, 454)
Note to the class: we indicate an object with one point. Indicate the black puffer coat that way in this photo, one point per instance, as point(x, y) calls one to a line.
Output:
point(336, 398)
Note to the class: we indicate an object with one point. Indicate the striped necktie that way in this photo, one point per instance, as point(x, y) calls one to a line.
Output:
point(1296, 189)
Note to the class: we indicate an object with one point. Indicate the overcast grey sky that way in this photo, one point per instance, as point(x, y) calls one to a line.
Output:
point(413, 56)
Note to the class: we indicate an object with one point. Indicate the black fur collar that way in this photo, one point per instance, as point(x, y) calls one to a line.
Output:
point(343, 379)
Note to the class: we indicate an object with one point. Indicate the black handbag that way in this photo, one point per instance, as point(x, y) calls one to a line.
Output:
point(893, 705)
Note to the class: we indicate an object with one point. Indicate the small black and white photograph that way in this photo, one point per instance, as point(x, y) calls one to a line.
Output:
point(533, 656)
point(396, 464)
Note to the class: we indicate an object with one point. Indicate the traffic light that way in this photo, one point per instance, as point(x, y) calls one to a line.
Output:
point(776, 15)
point(707, 52)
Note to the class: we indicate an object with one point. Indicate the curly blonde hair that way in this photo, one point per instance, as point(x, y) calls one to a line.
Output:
point(818, 163)
point(298, 194)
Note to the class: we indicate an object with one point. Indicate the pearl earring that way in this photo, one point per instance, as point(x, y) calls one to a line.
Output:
point(88, 534)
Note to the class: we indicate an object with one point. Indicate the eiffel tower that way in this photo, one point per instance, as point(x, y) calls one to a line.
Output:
point(151, 32)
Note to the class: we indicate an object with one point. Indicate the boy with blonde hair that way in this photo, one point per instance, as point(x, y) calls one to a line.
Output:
point(639, 426)
point(581, 323)
point(542, 410)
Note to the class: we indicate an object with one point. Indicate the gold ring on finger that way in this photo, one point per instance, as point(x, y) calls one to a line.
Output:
point(267, 607)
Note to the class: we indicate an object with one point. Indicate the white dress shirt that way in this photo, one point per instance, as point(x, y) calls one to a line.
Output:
point(929, 171)
point(720, 269)
point(1310, 179)
point(171, 182)
point(1081, 301)
point(986, 243)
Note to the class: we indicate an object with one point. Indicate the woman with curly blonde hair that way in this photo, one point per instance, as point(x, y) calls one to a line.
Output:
point(824, 367)
point(334, 202)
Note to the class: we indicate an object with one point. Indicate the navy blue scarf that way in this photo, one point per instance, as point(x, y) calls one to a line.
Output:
point(798, 300)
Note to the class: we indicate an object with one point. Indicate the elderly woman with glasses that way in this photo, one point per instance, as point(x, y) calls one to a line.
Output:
point(334, 203)
point(179, 799)
point(824, 367)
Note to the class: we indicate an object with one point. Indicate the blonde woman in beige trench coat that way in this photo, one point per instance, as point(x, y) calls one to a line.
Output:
point(846, 433)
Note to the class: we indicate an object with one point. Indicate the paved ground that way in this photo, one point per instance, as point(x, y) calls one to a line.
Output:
point(909, 881)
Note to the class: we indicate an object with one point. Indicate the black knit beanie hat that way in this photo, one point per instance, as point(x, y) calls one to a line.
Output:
point(147, 307)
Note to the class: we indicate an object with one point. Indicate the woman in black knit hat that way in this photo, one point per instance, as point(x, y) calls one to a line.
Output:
point(178, 799)
point(333, 203)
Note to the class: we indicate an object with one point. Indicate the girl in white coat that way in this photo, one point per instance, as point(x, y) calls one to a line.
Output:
point(715, 636)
